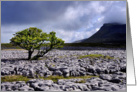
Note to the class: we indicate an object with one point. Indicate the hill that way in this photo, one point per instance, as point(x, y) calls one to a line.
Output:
point(108, 33)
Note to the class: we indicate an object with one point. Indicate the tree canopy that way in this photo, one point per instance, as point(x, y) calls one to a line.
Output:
point(35, 39)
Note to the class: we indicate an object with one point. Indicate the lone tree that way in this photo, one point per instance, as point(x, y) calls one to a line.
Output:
point(34, 39)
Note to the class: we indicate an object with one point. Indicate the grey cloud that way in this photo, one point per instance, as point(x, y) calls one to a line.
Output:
point(63, 17)
point(31, 11)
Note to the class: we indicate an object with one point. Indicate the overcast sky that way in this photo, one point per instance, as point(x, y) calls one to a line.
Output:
point(71, 20)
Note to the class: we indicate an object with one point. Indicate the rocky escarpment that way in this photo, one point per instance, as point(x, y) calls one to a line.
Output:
point(110, 71)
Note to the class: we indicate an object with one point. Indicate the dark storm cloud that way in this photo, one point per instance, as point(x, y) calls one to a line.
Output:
point(31, 11)
point(72, 20)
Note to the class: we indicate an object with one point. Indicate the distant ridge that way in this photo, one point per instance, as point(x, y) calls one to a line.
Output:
point(108, 33)
point(79, 41)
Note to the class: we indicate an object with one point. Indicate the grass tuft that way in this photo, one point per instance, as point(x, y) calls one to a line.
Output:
point(12, 78)
point(95, 56)
point(56, 78)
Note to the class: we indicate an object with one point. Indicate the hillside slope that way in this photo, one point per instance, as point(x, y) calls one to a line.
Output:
point(109, 33)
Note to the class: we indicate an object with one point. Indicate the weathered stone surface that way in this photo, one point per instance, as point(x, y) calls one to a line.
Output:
point(15, 86)
point(26, 88)
point(111, 72)
point(115, 78)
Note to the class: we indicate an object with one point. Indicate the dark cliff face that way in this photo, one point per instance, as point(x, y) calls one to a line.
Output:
point(109, 33)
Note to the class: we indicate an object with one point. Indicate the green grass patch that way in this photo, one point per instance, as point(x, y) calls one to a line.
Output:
point(12, 78)
point(56, 78)
point(95, 56)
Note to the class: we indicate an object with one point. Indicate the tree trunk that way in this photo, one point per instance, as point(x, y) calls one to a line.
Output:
point(29, 54)
point(40, 54)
